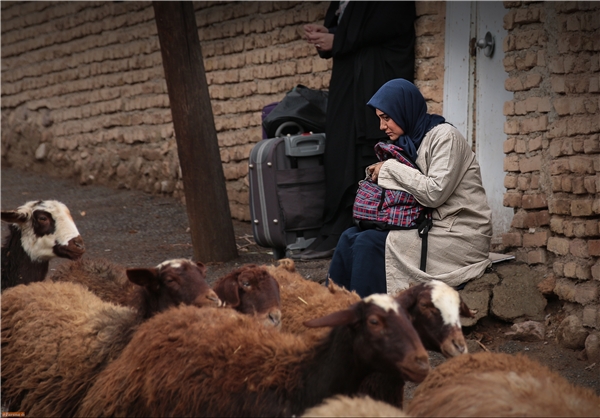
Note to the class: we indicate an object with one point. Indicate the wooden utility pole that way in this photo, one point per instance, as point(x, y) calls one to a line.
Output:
point(203, 179)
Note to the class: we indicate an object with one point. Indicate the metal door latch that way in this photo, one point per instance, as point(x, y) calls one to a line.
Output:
point(487, 44)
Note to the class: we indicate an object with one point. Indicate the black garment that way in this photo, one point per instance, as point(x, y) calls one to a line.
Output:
point(374, 43)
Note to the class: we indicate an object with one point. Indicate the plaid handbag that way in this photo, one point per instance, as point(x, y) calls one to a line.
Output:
point(384, 209)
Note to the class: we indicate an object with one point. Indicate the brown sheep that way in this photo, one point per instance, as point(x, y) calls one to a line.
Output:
point(105, 279)
point(497, 384)
point(39, 231)
point(303, 299)
point(434, 309)
point(200, 362)
point(56, 337)
point(251, 290)
point(110, 283)
point(345, 406)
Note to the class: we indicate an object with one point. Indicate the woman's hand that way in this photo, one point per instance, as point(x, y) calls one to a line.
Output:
point(319, 36)
point(310, 28)
point(373, 170)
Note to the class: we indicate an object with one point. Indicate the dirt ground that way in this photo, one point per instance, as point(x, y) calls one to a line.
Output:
point(141, 230)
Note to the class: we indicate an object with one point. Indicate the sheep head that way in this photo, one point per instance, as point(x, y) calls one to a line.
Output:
point(47, 230)
point(435, 309)
point(384, 336)
point(174, 282)
point(251, 290)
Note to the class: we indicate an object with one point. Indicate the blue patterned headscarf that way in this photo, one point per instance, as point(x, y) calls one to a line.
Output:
point(403, 102)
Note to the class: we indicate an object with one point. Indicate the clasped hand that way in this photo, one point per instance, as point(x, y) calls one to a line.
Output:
point(319, 36)
point(373, 171)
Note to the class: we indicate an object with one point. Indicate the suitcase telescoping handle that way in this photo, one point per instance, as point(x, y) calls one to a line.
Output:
point(305, 145)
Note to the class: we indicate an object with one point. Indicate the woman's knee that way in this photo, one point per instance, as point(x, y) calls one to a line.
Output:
point(371, 238)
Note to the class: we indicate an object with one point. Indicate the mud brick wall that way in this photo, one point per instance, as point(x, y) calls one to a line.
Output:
point(83, 89)
point(429, 52)
point(552, 158)
point(84, 95)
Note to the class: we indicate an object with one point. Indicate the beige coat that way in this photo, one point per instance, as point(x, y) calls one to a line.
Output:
point(459, 241)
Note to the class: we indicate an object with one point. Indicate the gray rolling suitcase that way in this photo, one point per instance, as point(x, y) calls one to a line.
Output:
point(287, 191)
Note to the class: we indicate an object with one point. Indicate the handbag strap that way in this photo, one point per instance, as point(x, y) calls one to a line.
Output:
point(423, 230)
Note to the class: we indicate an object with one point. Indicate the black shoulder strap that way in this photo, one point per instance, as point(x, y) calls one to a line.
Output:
point(423, 228)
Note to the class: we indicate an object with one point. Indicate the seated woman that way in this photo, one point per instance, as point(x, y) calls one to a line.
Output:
point(449, 181)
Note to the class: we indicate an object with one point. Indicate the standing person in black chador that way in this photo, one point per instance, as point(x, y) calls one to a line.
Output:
point(370, 43)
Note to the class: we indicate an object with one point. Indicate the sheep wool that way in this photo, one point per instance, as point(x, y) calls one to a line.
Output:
point(345, 406)
point(498, 384)
point(58, 336)
point(55, 336)
point(303, 299)
point(102, 277)
point(143, 381)
point(210, 362)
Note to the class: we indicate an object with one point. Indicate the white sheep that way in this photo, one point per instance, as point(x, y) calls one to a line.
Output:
point(39, 231)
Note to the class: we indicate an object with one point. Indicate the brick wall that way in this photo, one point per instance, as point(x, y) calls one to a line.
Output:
point(552, 158)
point(253, 54)
point(429, 52)
point(83, 93)
point(83, 90)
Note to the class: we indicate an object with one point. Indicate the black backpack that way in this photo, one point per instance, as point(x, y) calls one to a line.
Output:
point(302, 106)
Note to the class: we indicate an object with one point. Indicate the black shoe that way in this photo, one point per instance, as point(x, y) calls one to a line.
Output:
point(299, 255)
point(317, 255)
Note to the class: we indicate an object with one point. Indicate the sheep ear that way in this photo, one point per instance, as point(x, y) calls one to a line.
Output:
point(143, 276)
point(202, 268)
point(465, 311)
point(408, 298)
point(14, 217)
point(227, 289)
point(345, 317)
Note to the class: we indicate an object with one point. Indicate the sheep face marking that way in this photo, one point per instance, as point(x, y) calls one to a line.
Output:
point(47, 230)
